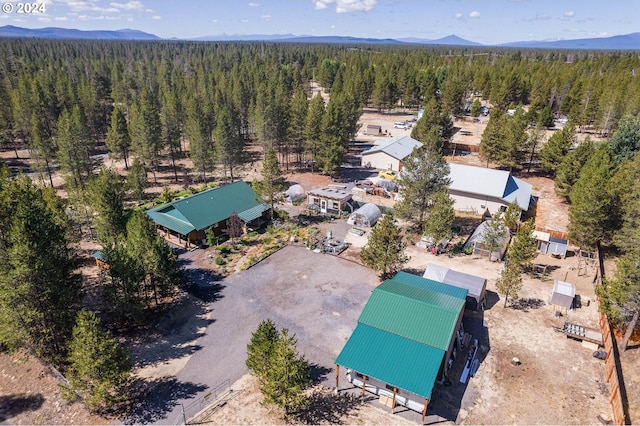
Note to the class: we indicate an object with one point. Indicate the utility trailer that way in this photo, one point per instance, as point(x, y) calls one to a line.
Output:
point(579, 332)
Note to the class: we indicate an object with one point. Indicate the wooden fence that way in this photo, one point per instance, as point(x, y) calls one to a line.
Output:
point(618, 397)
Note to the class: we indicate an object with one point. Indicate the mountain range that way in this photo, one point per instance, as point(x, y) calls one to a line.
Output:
point(619, 42)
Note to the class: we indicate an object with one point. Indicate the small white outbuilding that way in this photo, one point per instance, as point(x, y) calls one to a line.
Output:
point(367, 215)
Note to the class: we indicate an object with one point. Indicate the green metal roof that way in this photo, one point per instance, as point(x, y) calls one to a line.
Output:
point(421, 315)
point(199, 211)
point(428, 284)
point(399, 362)
point(253, 213)
point(99, 255)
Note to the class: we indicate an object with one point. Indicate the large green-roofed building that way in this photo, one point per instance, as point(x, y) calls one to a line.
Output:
point(188, 217)
point(404, 339)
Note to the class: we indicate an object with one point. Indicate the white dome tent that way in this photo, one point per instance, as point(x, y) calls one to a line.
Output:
point(295, 193)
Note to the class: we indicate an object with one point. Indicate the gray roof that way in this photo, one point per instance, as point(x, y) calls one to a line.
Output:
point(563, 294)
point(490, 182)
point(331, 193)
point(398, 148)
point(475, 285)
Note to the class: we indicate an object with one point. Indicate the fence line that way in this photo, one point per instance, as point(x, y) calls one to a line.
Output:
point(193, 408)
point(618, 398)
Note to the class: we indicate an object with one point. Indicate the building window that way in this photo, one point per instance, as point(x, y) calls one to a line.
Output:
point(334, 205)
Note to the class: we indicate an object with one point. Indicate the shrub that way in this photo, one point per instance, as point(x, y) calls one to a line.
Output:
point(220, 261)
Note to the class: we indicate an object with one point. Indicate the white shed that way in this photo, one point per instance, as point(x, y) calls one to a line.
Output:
point(563, 294)
point(367, 215)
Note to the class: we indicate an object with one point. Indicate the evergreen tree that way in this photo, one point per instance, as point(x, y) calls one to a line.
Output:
point(424, 174)
point(493, 147)
point(229, 144)
point(556, 148)
point(146, 130)
point(260, 349)
point(475, 109)
point(200, 148)
point(625, 143)
point(384, 252)
point(510, 282)
point(524, 248)
point(494, 234)
point(106, 195)
point(137, 180)
point(288, 375)
point(512, 215)
point(118, 139)
point(590, 209)
point(99, 369)
point(74, 146)
point(441, 217)
point(313, 128)
point(568, 170)
point(272, 183)
point(39, 291)
point(297, 123)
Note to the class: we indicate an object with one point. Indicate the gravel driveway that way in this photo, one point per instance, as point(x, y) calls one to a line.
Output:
point(316, 296)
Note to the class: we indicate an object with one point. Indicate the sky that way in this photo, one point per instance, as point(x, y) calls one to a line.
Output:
point(482, 21)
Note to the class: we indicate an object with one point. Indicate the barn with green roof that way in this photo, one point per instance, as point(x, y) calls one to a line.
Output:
point(404, 338)
point(186, 219)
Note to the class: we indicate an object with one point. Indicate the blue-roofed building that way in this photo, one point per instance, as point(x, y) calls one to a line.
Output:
point(186, 219)
point(404, 339)
point(480, 190)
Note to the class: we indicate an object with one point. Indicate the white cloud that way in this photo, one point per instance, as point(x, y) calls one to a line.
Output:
point(543, 17)
point(474, 14)
point(60, 18)
point(254, 4)
point(569, 14)
point(266, 18)
point(132, 5)
point(156, 17)
point(346, 6)
point(44, 19)
point(458, 15)
point(244, 21)
point(78, 6)
point(320, 5)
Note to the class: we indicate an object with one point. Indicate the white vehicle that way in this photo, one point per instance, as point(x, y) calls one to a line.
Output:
point(401, 125)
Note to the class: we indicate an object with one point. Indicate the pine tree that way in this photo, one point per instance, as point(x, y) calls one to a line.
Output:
point(118, 139)
point(590, 210)
point(441, 217)
point(313, 129)
point(510, 282)
point(229, 144)
point(235, 226)
point(625, 143)
point(106, 195)
point(287, 376)
point(39, 291)
point(272, 183)
point(524, 248)
point(568, 171)
point(137, 180)
point(511, 216)
point(556, 148)
point(494, 234)
point(425, 174)
point(74, 146)
point(99, 369)
point(260, 348)
point(384, 252)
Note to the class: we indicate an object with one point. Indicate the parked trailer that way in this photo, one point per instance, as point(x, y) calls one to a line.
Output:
point(579, 332)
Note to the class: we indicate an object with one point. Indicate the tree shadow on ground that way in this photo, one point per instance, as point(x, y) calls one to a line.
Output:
point(318, 372)
point(156, 398)
point(14, 404)
point(527, 303)
point(327, 407)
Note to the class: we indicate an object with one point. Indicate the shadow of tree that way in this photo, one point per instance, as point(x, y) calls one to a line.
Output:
point(156, 398)
point(318, 372)
point(12, 405)
point(327, 407)
point(527, 303)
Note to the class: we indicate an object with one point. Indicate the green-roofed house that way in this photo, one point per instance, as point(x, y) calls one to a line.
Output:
point(404, 339)
point(186, 219)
